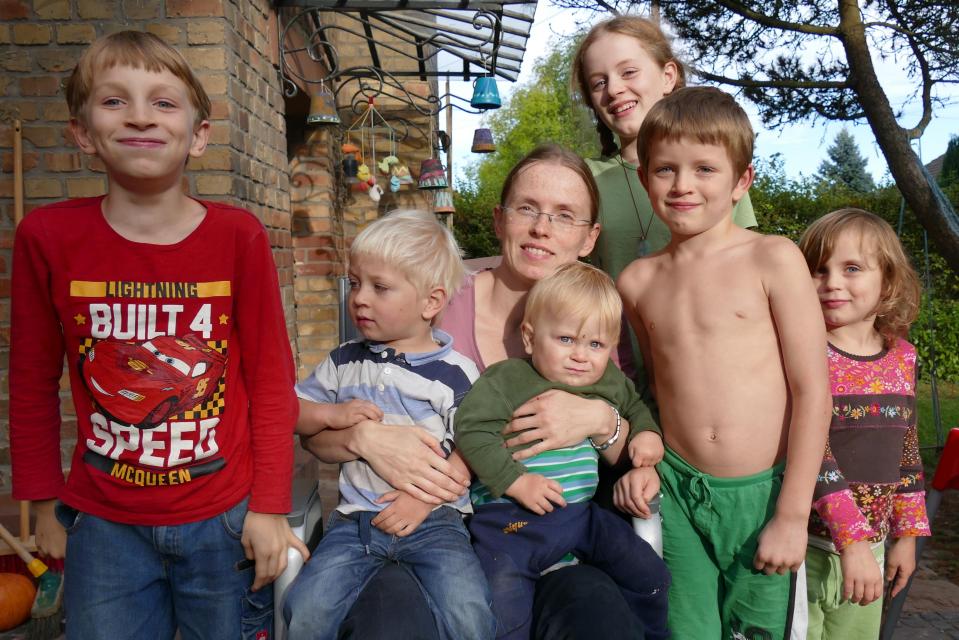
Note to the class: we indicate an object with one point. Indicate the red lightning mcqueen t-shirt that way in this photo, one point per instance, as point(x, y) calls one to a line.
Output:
point(179, 361)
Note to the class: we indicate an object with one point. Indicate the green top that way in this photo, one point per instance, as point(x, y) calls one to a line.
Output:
point(619, 239)
point(489, 406)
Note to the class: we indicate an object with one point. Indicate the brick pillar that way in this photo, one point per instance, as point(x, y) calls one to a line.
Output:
point(231, 45)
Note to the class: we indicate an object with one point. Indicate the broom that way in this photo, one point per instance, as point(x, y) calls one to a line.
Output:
point(45, 614)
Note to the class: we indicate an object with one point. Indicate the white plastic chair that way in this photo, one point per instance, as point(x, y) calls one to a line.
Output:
point(306, 520)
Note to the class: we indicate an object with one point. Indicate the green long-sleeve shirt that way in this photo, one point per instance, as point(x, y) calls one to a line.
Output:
point(490, 404)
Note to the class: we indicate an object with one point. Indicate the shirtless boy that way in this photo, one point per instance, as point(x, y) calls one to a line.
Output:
point(730, 330)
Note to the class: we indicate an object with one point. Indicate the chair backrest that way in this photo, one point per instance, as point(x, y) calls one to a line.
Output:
point(478, 264)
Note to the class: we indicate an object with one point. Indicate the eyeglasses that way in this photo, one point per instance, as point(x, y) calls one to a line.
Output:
point(528, 215)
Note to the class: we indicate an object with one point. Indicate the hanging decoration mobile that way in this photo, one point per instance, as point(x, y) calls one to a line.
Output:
point(369, 126)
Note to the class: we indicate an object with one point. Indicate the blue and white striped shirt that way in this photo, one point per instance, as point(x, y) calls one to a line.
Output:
point(422, 389)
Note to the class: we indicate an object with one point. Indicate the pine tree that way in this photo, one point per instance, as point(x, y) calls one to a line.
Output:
point(950, 163)
point(846, 166)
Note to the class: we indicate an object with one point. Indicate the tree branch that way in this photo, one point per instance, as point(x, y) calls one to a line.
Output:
point(768, 21)
point(927, 83)
point(888, 25)
point(773, 84)
point(608, 7)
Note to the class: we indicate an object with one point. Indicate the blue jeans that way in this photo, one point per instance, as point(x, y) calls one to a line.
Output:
point(438, 555)
point(515, 546)
point(131, 581)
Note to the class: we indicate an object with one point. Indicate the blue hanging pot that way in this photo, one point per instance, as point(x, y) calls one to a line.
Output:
point(485, 94)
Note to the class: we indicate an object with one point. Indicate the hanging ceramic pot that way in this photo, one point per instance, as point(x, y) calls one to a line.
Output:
point(402, 173)
point(483, 141)
point(322, 108)
point(432, 175)
point(485, 94)
point(443, 201)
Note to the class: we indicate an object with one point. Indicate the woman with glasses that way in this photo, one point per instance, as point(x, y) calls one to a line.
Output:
point(546, 218)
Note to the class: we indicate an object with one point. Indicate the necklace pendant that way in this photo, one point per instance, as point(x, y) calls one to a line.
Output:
point(642, 248)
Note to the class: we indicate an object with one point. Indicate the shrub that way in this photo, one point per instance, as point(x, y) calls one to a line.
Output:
point(937, 342)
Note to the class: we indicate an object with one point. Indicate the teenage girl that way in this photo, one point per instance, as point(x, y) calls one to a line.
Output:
point(870, 486)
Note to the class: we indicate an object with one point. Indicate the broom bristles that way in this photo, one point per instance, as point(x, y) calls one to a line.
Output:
point(46, 614)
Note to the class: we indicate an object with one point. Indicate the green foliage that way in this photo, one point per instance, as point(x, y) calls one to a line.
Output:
point(787, 206)
point(936, 337)
point(783, 206)
point(542, 110)
point(846, 166)
point(949, 176)
point(473, 224)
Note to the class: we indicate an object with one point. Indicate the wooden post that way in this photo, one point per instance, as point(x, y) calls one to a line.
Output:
point(25, 520)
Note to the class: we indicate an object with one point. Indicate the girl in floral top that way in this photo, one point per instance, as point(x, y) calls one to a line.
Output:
point(870, 484)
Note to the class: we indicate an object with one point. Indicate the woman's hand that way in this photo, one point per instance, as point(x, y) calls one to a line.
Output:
point(559, 419)
point(410, 460)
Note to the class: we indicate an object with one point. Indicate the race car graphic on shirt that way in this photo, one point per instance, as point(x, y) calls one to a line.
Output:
point(145, 383)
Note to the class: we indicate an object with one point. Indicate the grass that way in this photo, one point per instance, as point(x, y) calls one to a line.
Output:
point(949, 412)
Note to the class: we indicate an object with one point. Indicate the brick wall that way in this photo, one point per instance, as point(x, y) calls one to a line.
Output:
point(231, 44)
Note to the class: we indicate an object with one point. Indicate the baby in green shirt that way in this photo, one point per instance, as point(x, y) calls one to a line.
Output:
point(528, 517)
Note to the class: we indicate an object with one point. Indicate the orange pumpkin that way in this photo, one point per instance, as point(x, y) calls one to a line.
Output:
point(16, 599)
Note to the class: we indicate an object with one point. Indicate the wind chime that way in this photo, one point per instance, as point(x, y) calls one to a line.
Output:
point(362, 172)
point(432, 179)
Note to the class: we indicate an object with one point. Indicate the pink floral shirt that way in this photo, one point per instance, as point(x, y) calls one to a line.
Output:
point(870, 484)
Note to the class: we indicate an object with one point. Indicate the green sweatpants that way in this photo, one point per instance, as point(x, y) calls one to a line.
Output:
point(710, 531)
point(829, 617)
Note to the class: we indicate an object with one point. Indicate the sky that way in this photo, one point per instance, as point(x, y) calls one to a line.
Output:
point(803, 146)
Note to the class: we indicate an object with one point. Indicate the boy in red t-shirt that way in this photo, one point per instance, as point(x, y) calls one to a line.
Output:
point(169, 314)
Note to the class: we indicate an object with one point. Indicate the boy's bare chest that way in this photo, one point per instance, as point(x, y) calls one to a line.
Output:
point(707, 300)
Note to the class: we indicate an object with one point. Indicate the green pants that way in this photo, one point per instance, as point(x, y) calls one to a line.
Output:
point(829, 617)
point(710, 531)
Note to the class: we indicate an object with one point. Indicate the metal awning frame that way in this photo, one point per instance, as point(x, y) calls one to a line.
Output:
point(494, 45)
